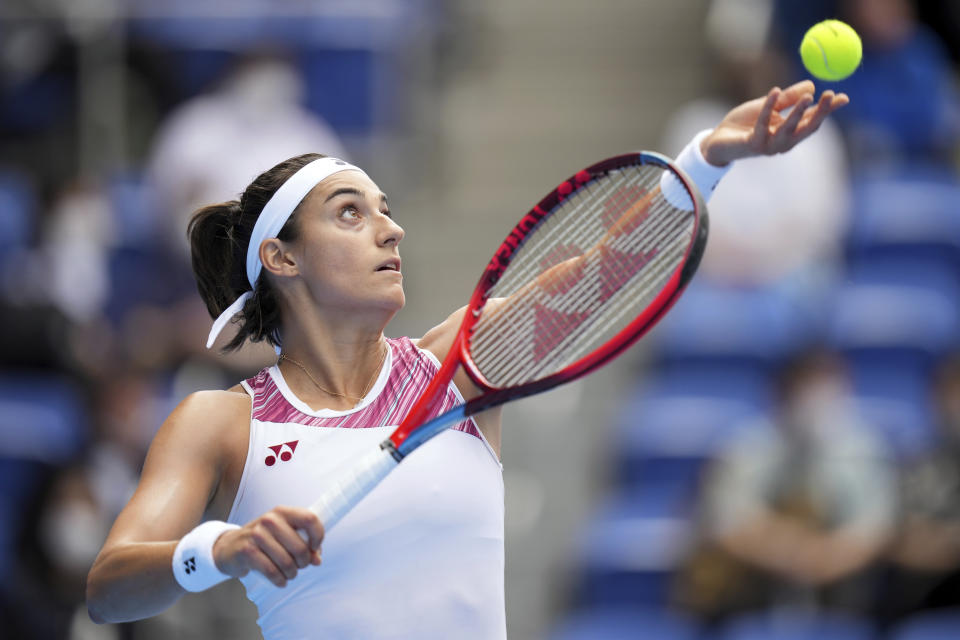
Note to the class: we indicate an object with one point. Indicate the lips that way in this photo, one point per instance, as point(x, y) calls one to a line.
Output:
point(393, 264)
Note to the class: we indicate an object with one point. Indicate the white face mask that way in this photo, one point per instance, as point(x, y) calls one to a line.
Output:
point(817, 406)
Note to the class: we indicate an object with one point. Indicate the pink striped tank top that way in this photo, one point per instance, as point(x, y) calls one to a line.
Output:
point(421, 556)
point(410, 371)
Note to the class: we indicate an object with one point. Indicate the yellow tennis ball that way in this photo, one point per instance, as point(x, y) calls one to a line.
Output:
point(831, 50)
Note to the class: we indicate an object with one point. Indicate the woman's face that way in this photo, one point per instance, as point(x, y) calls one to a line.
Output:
point(347, 251)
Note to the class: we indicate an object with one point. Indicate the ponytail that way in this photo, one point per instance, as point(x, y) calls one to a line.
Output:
point(219, 235)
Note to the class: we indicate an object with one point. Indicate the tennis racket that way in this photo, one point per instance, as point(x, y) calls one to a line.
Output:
point(580, 278)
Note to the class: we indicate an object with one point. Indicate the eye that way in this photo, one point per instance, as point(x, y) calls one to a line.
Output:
point(349, 212)
point(387, 213)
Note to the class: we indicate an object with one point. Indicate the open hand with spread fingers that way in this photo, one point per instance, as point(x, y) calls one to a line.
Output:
point(758, 127)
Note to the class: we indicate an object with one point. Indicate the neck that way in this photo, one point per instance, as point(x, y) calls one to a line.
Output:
point(326, 393)
point(338, 352)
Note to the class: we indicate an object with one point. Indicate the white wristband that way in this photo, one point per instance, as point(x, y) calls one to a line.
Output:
point(704, 175)
point(193, 564)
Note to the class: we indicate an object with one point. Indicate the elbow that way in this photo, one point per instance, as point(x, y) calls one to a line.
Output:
point(94, 603)
point(96, 597)
point(95, 615)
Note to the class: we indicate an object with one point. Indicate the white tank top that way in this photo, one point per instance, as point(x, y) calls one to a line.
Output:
point(421, 556)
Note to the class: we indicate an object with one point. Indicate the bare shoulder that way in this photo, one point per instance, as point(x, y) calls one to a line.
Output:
point(439, 339)
point(207, 417)
point(192, 454)
point(216, 405)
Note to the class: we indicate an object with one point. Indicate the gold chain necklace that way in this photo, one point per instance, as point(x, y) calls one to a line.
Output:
point(366, 389)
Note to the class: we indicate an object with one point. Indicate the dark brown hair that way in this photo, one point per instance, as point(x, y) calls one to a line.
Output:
point(219, 235)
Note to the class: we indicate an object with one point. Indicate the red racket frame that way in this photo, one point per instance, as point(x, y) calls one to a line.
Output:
point(460, 352)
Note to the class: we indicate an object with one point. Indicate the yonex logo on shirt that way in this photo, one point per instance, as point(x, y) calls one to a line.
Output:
point(280, 452)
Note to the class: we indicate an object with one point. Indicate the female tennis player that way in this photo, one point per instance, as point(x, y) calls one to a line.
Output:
point(308, 260)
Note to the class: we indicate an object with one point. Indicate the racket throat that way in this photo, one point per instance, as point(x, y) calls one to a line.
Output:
point(390, 448)
point(426, 431)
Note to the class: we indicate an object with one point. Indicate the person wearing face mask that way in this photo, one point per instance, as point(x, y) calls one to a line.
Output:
point(794, 512)
point(924, 561)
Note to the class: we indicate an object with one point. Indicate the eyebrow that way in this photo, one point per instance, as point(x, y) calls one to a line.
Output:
point(352, 192)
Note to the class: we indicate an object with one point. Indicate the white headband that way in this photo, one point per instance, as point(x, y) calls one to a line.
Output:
point(274, 215)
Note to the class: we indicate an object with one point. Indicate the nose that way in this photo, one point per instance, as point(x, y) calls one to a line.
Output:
point(391, 232)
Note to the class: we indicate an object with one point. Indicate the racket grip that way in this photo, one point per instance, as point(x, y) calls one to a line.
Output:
point(346, 492)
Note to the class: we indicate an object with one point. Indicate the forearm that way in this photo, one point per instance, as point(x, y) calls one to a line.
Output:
point(845, 553)
point(766, 541)
point(928, 545)
point(132, 581)
point(785, 547)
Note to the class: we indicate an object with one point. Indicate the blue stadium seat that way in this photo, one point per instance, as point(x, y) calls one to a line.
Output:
point(907, 212)
point(896, 311)
point(630, 549)
point(42, 417)
point(714, 322)
point(934, 625)
point(144, 276)
point(625, 624)
point(18, 210)
point(905, 425)
point(670, 428)
point(42, 423)
point(329, 74)
point(798, 626)
point(134, 210)
point(893, 319)
point(38, 102)
point(346, 57)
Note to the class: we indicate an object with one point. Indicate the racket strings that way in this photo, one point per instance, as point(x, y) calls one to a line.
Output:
point(531, 262)
point(563, 314)
point(570, 340)
point(497, 324)
point(558, 231)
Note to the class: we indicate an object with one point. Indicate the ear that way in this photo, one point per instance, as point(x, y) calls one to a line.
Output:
point(276, 258)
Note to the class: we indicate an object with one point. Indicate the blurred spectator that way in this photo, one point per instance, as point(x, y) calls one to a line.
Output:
point(212, 146)
point(904, 103)
point(794, 205)
point(944, 18)
point(925, 559)
point(78, 239)
point(795, 513)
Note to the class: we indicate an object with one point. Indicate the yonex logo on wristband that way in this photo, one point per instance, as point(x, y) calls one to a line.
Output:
point(193, 565)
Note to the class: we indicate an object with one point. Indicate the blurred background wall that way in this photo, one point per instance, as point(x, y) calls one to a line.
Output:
point(779, 457)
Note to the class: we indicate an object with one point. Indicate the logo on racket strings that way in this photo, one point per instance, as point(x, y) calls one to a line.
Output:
point(626, 209)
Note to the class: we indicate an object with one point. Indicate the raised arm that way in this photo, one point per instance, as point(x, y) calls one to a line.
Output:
point(759, 127)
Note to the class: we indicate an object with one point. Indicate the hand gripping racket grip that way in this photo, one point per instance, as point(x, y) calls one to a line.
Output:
point(352, 487)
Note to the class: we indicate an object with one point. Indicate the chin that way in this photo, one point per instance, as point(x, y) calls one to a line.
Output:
point(399, 301)
point(392, 302)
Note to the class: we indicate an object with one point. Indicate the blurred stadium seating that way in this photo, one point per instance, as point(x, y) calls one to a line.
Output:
point(18, 211)
point(934, 625)
point(798, 625)
point(634, 623)
point(42, 425)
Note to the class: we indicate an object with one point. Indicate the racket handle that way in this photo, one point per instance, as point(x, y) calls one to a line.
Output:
point(346, 492)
